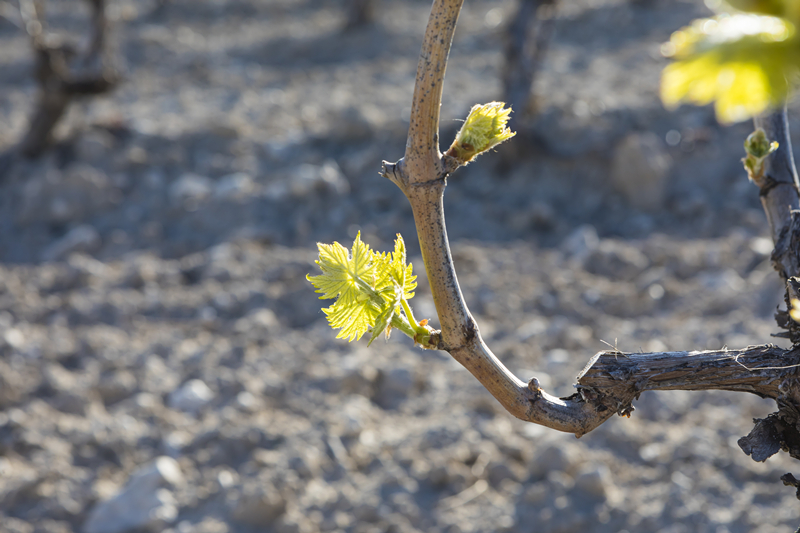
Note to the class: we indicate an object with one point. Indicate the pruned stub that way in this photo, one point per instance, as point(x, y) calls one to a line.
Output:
point(610, 386)
point(606, 401)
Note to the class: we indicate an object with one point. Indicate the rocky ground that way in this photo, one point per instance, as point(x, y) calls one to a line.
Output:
point(165, 365)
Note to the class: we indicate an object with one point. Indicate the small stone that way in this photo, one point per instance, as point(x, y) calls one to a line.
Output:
point(326, 179)
point(189, 188)
point(554, 457)
point(398, 380)
point(191, 397)
point(439, 476)
point(15, 525)
point(360, 380)
point(616, 260)
point(394, 386)
point(258, 319)
point(536, 493)
point(175, 442)
point(260, 507)
point(366, 513)
point(359, 123)
point(156, 377)
point(143, 503)
point(640, 169)
point(499, 472)
point(66, 390)
point(116, 386)
point(94, 145)
point(69, 196)
point(560, 482)
point(83, 238)
point(234, 186)
point(14, 338)
point(249, 402)
point(594, 480)
point(226, 478)
point(581, 242)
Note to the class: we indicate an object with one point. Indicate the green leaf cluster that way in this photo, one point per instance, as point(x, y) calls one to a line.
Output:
point(745, 61)
point(371, 290)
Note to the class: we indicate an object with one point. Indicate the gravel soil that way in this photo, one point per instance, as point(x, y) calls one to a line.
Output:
point(165, 366)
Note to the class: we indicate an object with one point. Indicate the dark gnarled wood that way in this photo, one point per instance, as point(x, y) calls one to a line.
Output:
point(63, 73)
point(621, 377)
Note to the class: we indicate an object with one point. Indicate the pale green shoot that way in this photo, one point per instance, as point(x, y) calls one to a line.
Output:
point(371, 289)
point(757, 147)
point(486, 127)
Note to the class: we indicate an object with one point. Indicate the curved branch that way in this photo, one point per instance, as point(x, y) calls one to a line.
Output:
point(611, 380)
point(421, 175)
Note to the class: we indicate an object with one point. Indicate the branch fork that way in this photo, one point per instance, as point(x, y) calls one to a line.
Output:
point(63, 73)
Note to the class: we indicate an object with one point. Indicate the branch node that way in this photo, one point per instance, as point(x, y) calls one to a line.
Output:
point(533, 386)
point(394, 173)
point(449, 165)
point(587, 394)
point(435, 342)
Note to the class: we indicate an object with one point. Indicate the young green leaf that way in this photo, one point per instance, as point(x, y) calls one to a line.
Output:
point(788, 9)
point(342, 270)
point(757, 147)
point(392, 270)
point(371, 290)
point(343, 275)
point(742, 63)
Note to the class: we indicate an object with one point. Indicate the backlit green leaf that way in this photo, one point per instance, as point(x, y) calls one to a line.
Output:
point(745, 64)
point(368, 286)
point(788, 9)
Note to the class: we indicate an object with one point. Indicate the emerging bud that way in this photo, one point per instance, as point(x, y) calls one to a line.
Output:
point(757, 147)
point(794, 311)
point(485, 128)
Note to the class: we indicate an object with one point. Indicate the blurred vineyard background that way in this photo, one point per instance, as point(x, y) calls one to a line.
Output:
point(165, 366)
